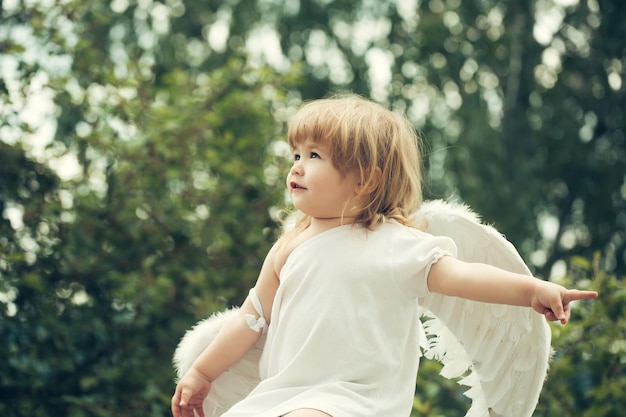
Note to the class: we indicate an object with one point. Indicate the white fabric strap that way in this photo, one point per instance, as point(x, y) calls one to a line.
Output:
point(257, 324)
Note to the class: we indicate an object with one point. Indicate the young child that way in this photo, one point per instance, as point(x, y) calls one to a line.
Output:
point(338, 294)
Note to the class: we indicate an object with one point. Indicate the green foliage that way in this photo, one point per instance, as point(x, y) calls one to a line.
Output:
point(521, 103)
point(436, 396)
point(149, 206)
point(163, 228)
point(165, 221)
point(588, 372)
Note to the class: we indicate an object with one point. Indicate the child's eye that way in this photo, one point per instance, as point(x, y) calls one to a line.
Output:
point(314, 155)
point(296, 156)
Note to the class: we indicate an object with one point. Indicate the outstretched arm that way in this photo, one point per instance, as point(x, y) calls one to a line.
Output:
point(230, 345)
point(486, 283)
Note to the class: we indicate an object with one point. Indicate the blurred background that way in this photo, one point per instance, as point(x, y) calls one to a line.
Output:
point(142, 163)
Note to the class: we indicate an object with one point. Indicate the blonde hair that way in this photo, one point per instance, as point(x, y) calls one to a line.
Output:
point(363, 136)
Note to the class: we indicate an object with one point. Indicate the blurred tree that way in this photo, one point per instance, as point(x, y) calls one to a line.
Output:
point(527, 96)
point(521, 104)
point(140, 153)
point(161, 215)
point(588, 373)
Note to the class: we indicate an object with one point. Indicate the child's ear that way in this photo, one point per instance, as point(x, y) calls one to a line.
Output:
point(371, 182)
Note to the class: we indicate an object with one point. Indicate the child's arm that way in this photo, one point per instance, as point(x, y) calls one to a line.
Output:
point(231, 343)
point(480, 282)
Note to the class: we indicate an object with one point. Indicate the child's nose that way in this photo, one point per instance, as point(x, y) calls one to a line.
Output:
point(296, 168)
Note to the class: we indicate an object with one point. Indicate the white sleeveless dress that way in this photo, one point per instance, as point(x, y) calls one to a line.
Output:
point(345, 333)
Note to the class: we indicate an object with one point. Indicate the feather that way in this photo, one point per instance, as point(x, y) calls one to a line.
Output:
point(234, 384)
point(506, 348)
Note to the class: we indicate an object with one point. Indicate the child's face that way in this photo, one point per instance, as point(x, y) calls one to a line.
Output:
point(316, 187)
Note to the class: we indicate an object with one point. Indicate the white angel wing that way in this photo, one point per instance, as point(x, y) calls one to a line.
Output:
point(505, 348)
point(234, 384)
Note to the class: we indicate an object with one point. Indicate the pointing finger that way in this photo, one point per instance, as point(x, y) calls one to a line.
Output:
point(574, 295)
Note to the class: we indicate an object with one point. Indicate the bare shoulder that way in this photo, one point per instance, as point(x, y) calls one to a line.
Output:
point(280, 252)
point(283, 247)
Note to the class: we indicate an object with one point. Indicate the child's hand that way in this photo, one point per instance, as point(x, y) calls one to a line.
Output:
point(553, 301)
point(190, 392)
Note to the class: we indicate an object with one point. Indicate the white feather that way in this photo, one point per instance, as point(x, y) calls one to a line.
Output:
point(507, 348)
point(234, 384)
